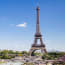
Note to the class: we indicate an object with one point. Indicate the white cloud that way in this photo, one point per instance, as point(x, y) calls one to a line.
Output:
point(22, 25)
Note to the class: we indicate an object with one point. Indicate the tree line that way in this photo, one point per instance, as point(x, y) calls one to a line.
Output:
point(8, 54)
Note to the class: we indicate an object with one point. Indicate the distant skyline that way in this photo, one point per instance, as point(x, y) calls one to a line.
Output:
point(18, 24)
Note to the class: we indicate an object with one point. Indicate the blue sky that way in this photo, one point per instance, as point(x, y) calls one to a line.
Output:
point(18, 24)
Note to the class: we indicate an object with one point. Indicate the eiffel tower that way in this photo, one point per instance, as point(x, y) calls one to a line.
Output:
point(38, 36)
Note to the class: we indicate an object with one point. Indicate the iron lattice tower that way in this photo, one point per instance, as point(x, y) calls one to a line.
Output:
point(38, 36)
